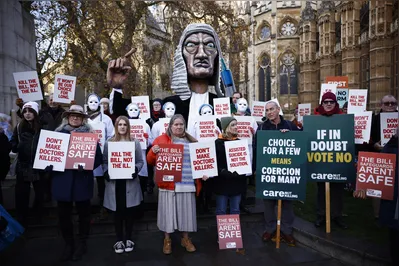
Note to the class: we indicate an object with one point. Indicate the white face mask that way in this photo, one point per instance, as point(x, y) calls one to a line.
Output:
point(242, 105)
point(206, 111)
point(169, 110)
point(93, 103)
point(133, 110)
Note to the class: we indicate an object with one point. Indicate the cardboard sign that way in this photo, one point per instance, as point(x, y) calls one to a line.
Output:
point(362, 127)
point(342, 97)
point(28, 86)
point(221, 106)
point(164, 125)
point(169, 163)
point(376, 174)
point(303, 109)
point(258, 110)
point(229, 231)
point(137, 130)
point(82, 150)
point(281, 165)
point(121, 159)
point(51, 150)
point(340, 81)
point(389, 125)
point(244, 125)
point(276, 101)
point(325, 87)
point(99, 129)
point(203, 159)
point(237, 155)
point(144, 104)
point(357, 101)
point(331, 148)
point(206, 128)
point(64, 88)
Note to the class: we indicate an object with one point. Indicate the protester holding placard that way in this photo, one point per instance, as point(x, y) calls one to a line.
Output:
point(123, 195)
point(160, 126)
point(156, 112)
point(24, 142)
point(176, 201)
point(74, 186)
point(241, 107)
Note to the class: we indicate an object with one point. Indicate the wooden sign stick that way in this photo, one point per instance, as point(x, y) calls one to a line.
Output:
point(328, 211)
point(278, 224)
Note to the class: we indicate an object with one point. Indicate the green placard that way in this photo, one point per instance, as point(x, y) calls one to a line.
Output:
point(331, 148)
point(281, 165)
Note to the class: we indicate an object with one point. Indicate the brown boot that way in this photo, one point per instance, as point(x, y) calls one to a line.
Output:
point(186, 243)
point(167, 246)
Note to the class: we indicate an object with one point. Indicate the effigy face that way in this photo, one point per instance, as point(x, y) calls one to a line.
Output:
point(200, 52)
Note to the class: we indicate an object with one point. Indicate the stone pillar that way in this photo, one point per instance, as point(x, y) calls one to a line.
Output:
point(380, 51)
point(350, 49)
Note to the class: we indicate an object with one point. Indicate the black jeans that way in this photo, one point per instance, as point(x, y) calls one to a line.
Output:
point(394, 244)
point(22, 196)
point(101, 187)
point(336, 199)
point(124, 216)
point(65, 219)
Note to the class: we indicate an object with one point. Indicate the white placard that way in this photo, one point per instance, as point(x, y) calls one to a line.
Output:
point(276, 101)
point(244, 125)
point(258, 110)
point(99, 129)
point(362, 127)
point(237, 155)
point(203, 159)
point(357, 101)
point(221, 107)
point(389, 125)
point(144, 104)
point(137, 130)
point(205, 128)
point(51, 150)
point(325, 87)
point(28, 86)
point(64, 88)
point(303, 109)
point(164, 124)
point(121, 159)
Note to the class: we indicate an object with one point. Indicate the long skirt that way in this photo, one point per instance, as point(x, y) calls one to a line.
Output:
point(176, 211)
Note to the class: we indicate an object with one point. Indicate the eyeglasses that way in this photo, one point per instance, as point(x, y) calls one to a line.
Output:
point(390, 103)
point(328, 102)
point(192, 48)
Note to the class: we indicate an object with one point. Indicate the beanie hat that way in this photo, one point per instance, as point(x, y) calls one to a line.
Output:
point(157, 100)
point(104, 100)
point(226, 122)
point(33, 105)
point(328, 95)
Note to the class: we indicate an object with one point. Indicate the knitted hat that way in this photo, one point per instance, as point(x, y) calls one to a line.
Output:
point(104, 100)
point(226, 122)
point(328, 95)
point(157, 100)
point(32, 105)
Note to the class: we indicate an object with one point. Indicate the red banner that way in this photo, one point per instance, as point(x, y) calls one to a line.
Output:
point(81, 150)
point(229, 231)
point(169, 163)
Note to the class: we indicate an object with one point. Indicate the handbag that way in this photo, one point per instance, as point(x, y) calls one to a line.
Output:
point(12, 231)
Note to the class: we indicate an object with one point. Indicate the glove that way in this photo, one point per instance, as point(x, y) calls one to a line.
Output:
point(134, 175)
point(19, 102)
point(145, 135)
point(80, 168)
point(49, 168)
point(106, 176)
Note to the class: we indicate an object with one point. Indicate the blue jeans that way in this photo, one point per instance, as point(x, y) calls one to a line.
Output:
point(221, 204)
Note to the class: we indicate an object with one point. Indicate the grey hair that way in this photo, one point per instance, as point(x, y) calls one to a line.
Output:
point(389, 96)
point(172, 120)
point(275, 104)
point(65, 122)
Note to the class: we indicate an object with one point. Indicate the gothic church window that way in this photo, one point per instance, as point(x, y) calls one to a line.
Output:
point(288, 28)
point(264, 31)
point(264, 76)
point(288, 74)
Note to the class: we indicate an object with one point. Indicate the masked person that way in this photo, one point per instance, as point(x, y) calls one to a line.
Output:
point(159, 127)
point(242, 108)
point(74, 186)
point(122, 195)
point(205, 110)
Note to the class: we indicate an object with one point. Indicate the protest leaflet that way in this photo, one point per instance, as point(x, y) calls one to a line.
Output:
point(82, 150)
point(331, 148)
point(203, 159)
point(325, 87)
point(51, 150)
point(99, 129)
point(303, 109)
point(28, 86)
point(244, 125)
point(121, 159)
point(137, 130)
point(357, 101)
point(205, 128)
point(362, 127)
point(389, 125)
point(237, 155)
point(221, 106)
point(144, 104)
point(169, 163)
point(229, 231)
point(376, 174)
point(258, 110)
point(64, 89)
point(342, 97)
point(281, 165)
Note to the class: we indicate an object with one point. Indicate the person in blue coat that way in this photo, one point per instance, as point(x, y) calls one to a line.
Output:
point(74, 186)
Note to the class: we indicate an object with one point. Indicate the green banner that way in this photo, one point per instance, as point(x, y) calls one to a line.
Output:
point(281, 165)
point(331, 148)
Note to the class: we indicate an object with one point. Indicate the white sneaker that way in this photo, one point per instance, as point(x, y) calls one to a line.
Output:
point(129, 246)
point(119, 247)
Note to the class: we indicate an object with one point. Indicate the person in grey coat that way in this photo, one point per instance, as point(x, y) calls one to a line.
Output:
point(122, 195)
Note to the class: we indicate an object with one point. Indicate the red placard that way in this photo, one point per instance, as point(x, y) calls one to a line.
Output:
point(81, 150)
point(169, 163)
point(376, 174)
point(229, 231)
